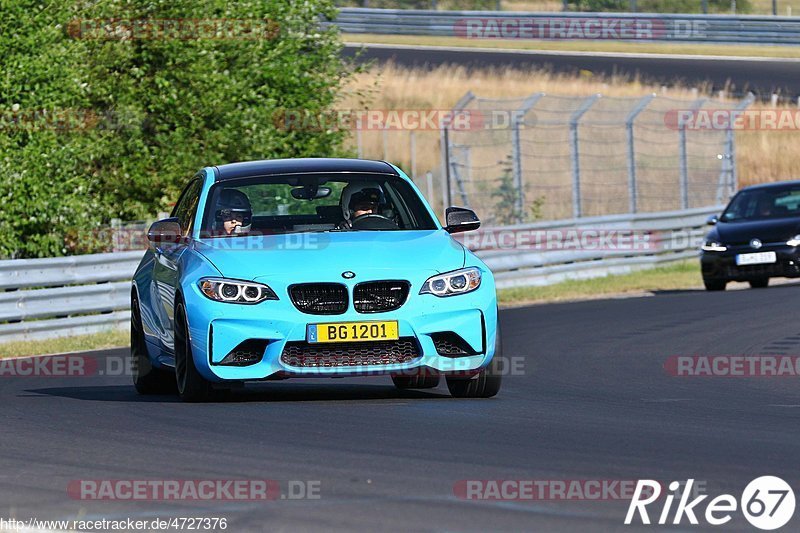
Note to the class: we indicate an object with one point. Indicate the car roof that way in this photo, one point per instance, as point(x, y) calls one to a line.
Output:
point(773, 185)
point(300, 166)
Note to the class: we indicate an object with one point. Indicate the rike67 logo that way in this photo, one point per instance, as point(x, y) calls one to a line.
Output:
point(767, 503)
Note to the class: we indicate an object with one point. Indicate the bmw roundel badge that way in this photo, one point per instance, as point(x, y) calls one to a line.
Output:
point(348, 274)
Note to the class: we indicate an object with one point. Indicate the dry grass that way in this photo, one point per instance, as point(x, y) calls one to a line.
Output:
point(531, 5)
point(113, 338)
point(762, 155)
point(584, 45)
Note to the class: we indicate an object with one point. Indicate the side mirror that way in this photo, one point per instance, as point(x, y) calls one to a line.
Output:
point(460, 219)
point(167, 231)
point(712, 220)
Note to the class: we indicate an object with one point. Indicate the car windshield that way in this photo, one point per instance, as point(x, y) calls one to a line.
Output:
point(304, 203)
point(762, 204)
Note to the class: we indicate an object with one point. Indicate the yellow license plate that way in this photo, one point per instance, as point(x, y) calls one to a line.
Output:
point(352, 332)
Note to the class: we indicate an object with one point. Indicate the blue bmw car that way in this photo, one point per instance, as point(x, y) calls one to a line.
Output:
point(311, 268)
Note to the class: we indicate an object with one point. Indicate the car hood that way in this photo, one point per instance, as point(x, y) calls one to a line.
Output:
point(767, 231)
point(326, 255)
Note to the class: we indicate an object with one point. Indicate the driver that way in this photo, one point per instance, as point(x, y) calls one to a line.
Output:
point(359, 200)
point(234, 214)
point(365, 203)
point(765, 204)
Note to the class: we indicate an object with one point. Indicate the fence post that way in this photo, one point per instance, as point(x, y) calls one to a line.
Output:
point(445, 149)
point(459, 179)
point(429, 180)
point(516, 152)
point(632, 193)
point(413, 147)
point(577, 211)
point(116, 228)
point(683, 163)
point(446, 156)
point(734, 173)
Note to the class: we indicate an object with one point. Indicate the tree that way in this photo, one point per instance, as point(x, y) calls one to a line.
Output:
point(157, 103)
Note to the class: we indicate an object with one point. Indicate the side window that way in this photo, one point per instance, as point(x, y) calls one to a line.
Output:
point(186, 208)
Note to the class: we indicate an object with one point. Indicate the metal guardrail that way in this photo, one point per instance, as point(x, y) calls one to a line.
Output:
point(671, 236)
point(728, 29)
point(47, 298)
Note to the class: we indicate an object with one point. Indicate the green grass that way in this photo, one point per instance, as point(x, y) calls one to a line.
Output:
point(683, 275)
point(584, 46)
point(106, 339)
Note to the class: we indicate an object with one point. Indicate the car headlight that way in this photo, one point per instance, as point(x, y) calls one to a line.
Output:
point(452, 283)
point(234, 291)
point(794, 241)
point(713, 246)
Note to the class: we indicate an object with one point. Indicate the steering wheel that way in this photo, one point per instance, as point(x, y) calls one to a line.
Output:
point(373, 222)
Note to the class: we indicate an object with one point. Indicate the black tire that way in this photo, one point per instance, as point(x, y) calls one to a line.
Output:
point(192, 387)
point(759, 283)
point(424, 379)
point(146, 378)
point(487, 382)
point(714, 284)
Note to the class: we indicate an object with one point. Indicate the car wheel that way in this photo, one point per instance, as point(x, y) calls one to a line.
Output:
point(424, 379)
point(146, 378)
point(486, 383)
point(192, 387)
point(759, 283)
point(714, 284)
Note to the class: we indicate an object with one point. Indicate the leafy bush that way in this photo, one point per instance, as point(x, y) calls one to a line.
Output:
point(143, 114)
point(460, 5)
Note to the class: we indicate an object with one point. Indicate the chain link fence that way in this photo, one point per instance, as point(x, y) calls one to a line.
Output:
point(569, 157)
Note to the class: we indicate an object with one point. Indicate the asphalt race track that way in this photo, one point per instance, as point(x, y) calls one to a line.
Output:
point(762, 76)
point(593, 402)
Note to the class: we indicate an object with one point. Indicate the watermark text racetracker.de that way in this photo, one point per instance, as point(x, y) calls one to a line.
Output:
point(579, 28)
point(762, 119)
point(733, 366)
point(202, 490)
point(544, 489)
point(82, 366)
point(423, 119)
point(69, 365)
point(585, 239)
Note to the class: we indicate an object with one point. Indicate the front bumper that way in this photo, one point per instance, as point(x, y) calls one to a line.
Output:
point(722, 265)
point(217, 328)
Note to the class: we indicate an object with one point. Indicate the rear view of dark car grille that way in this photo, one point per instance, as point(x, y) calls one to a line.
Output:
point(319, 298)
point(380, 296)
point(338, 354)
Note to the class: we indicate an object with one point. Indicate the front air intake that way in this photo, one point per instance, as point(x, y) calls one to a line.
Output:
point(319, 298)
point(343, 354)
point(380, 296)
point(246, 353)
